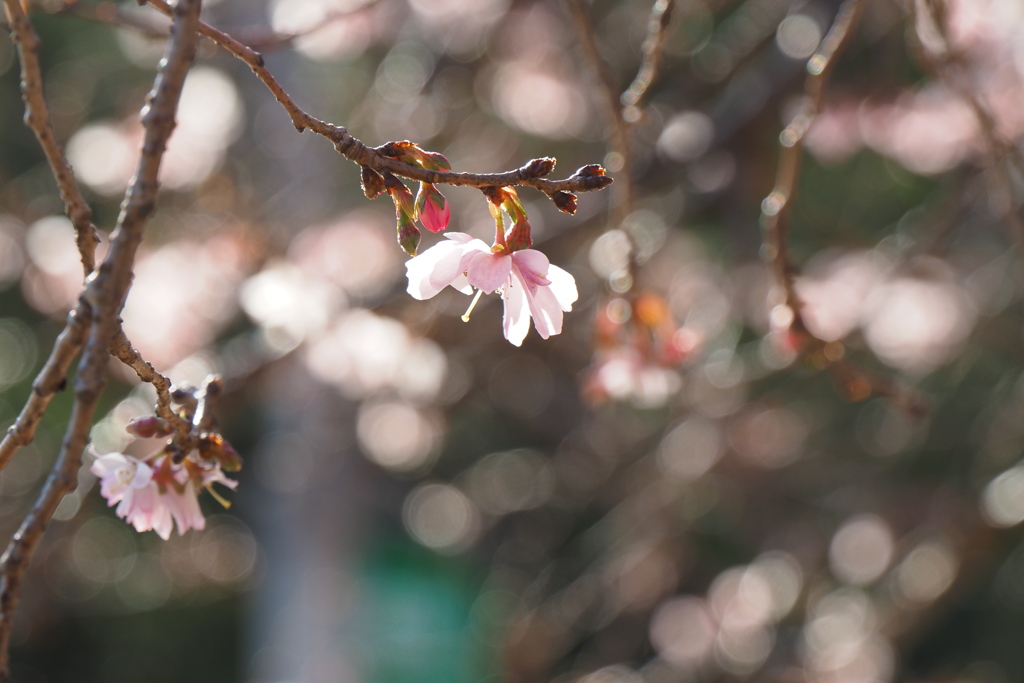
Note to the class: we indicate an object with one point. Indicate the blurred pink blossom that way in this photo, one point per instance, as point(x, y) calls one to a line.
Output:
point(158, 495)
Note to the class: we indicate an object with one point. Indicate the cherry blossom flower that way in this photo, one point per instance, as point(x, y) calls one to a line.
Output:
point(128, 483)
point(159, 495)
point(529, 285)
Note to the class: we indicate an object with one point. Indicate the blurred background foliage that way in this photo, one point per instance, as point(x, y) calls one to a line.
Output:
point(665, 491)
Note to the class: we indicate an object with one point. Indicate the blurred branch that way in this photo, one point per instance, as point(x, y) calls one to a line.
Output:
point(583, 180)
point(612, 105)
point(942, 63)
point(270, 40)
point(37, 118)
point(108, 13)
point(853, 382)
point(50, 380)
point(104, 295)
point(776, 208)
point(657, 27)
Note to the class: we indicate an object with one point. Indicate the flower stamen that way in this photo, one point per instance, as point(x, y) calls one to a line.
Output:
point(472, 305)
point(219, 498)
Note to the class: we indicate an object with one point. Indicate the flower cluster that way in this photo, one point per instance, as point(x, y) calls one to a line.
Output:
point(638, 349)
point(157, 493)
point(529, 285)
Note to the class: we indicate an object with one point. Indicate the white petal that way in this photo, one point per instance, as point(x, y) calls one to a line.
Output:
point(105, 465)
point(517, 312)
point(563, 286)
point(143, 475)
point(434, 269)
point(546, 312)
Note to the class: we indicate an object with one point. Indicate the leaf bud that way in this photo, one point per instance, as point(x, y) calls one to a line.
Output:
point(539, 167)
point(564, 201)
point(372, 182)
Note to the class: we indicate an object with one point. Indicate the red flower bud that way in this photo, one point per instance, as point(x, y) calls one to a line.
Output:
point(148, 427)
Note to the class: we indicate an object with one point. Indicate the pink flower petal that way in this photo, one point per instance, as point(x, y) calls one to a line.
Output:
point(434, 269)
point(516, 322)
point(563, 286)
point(533, 266)
point(488, 271)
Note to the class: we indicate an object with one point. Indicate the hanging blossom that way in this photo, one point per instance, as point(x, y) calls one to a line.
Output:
point(158, 494)
point(638, 352)
point(530, 287)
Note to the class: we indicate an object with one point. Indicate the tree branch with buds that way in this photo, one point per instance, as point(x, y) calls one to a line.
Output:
point(103, 297)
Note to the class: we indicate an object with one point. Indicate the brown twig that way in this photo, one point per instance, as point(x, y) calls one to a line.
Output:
point(855, 383)
point(37, 118)
point(776, 207)
point(104, 294)
point(622, 203)
point(122, 349)
point(653, 49)
point(50, 380)
point(998, 149)
point(355, 150)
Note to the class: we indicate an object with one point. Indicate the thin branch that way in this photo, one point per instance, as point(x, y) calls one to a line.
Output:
point(355, 150)
point(50, 380)
point(37, 117)
point(104, 294)
point(122, 349)
point(998, 149)
point(653, 49)
point(622, 204)
point(775, 209)
point(855, 383)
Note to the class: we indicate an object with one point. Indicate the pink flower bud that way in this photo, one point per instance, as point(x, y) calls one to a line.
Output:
point(148, 427)
point(433, 208)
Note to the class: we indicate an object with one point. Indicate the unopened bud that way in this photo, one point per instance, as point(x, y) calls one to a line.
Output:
point(435, 161)
point(397, 149)
point(148, 427)
point(519, 236)
point(408, 236)
point(405, 202)
point(372, 182)
point(539, 167)
point(590, 170)
point(432, 208)
point(564, 201)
